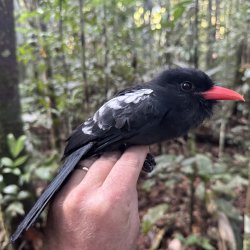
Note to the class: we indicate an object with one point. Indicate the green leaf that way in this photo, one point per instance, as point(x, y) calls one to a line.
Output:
point(20, 145)
point(1, 184)
point(166, 162)
point(43, 173)
point(26, 15)
point(205, 166)
point(179, 9)
point(152, 216)
point(97, 3)
point(23, 195)
point(11, 189)
point(237, 181)
point(178, 12)
point(11, 141)
point(188, 162)
point(7, 199)
point(20, 160)
point(7, 170)
point(16, 171)
point(196, 240)
point(229, 209)
point(15, 146)
point(44, 103)
point(14, 209)
point(148, 184)
point(5, 161)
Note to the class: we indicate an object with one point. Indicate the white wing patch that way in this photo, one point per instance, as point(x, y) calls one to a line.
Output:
point(87, 128)
point(115, 104)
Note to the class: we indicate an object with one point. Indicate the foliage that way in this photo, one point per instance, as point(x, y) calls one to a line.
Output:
point(12, 195)
point(19, 174)
point(195, 240)
point(217, 196)
point(215, 183)
point(152, 216)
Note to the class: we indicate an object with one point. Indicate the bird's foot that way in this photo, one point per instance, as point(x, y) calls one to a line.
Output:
point(149, 163)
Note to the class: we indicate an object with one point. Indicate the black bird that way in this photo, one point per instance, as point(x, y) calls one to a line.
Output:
point(161, 109)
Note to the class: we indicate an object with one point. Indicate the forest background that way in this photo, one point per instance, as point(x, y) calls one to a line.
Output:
point(60, 60)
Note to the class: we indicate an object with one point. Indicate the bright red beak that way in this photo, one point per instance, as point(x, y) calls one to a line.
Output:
point(220, 93)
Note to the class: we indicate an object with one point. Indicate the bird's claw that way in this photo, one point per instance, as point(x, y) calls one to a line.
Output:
point(149, 163)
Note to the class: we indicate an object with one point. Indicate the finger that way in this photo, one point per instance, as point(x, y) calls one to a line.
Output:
point(126, 171)
point(87, 163)
point(79, 172)
point(72, 183)
point(100, 170)
point(77, 176)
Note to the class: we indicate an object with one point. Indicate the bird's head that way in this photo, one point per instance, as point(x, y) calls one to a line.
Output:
point(195, 82)
point(194, 93)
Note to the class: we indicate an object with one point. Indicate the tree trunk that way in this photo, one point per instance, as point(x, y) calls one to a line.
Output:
point(106, 48)
point(210, 36)
point(217, 18)
point(168, 55)
point(83, 57)
point(56, 127)
point(10, 108)
point(196, 35)
point(65, 73)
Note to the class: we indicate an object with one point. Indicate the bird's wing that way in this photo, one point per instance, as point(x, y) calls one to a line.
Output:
point(119, 118)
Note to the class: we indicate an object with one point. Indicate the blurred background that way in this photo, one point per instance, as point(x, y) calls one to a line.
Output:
point(60, 60)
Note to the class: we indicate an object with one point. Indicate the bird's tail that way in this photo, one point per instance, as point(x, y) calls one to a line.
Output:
point(68, 166)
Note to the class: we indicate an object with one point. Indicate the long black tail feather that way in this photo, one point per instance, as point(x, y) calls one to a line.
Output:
point(68, 166)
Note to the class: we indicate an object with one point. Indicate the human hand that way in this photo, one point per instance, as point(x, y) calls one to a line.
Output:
point(98, 209)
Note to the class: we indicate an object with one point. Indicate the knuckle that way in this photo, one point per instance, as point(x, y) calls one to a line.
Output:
point(69, 205)
point(131, 159)
point(98, 206)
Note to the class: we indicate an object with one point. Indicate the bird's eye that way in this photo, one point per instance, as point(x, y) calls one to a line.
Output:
point(187, 86)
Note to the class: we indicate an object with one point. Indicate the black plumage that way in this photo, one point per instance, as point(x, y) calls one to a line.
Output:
point(161, 109)
point(161, 104)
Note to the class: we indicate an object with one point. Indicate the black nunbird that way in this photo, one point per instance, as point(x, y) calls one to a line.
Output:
point(161, 109)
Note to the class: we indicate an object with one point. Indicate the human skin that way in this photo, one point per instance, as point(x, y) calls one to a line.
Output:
point(98, 209)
